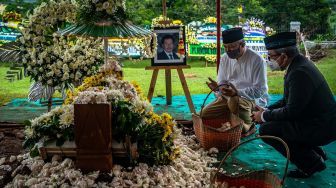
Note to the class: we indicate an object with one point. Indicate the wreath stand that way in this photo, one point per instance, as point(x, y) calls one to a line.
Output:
point(168, 83)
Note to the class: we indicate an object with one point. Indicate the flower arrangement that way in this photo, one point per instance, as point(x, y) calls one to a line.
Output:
point(11, 16)
point(92, 11)
point(192, 168)
point(157, 139)
point(210, 58)
point(191, 37)
point(132, 117)
point(56, 125)
point(255, 24)
point(165, 22)
point(53, 60)
point(97, 16)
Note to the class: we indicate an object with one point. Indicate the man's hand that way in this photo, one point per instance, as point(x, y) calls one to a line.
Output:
point(229, 90)
point(212, 84)
point(256, 116)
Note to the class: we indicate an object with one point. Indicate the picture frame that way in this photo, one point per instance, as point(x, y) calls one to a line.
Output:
point(168, 41)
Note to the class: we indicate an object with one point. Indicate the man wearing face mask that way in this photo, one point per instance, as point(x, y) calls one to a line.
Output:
point(243, 71)
point(305, 118)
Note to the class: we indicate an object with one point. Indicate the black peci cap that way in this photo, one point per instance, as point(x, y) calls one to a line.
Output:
point(280, 40)
point(232, 35)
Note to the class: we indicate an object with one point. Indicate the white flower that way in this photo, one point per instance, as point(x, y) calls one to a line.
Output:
point(114, 95)
point(78, 75)
point(106, 5)
point(50, 74)
point(29, 132)
point(65, 68)
point(59, 64)
point(22, 40)
point(91, 97)
point(67, 117)
point(65, 76)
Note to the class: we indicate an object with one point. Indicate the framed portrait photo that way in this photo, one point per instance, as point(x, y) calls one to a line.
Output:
point(170, 47)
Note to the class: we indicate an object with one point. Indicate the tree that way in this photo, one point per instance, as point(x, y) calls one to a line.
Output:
point(190, 10)
point(313, 14)
point(142, 12)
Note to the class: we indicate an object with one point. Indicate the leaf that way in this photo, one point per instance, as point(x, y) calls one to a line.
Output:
point(27, 123)
point(60, 141)
point(11, 52)
point(34, 152)
point(29, 143)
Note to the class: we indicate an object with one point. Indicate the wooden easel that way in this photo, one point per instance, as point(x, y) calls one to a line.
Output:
point(168, 83)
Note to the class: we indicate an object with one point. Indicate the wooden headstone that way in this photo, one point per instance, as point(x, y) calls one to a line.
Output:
point(93, 137)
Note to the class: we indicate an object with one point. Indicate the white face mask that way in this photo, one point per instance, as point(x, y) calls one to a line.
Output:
point(273, 64)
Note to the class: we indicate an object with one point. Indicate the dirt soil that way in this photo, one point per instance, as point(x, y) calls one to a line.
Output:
point(11, 140)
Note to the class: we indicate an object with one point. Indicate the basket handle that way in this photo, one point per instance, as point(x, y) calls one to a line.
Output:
point(246, 141)
point(209, 95)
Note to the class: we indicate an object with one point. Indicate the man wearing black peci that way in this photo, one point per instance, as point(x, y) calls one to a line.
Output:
point(167, 43)
point(305, 118)
point(243, 71)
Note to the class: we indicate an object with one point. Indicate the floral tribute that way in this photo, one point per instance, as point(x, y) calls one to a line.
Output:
point(133, 116)
point(110, 12)
point(210, 58)
point(191, 169)
point(91, 11)
point(53, 60)
point(165, 22)
point(255, 24)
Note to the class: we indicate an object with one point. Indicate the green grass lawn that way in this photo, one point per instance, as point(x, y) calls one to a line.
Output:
point(196, 77)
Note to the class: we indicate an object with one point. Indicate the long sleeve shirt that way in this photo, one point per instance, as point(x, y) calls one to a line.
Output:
point(307, 99)
point(247, 74)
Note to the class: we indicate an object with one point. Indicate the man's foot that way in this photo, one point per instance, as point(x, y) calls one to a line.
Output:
point(321, 152)
point(251, 131)
point(320, 166)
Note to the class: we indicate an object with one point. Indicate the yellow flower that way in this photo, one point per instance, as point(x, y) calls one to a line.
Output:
point(167, 116)
point(70, 95)
point(177, 22)
point(210, 20)
point(175, 153)
point(138, 89)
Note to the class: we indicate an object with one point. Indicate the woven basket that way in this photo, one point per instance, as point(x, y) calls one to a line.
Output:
point(209, 136)
point(207, 133)
point(253, 179)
